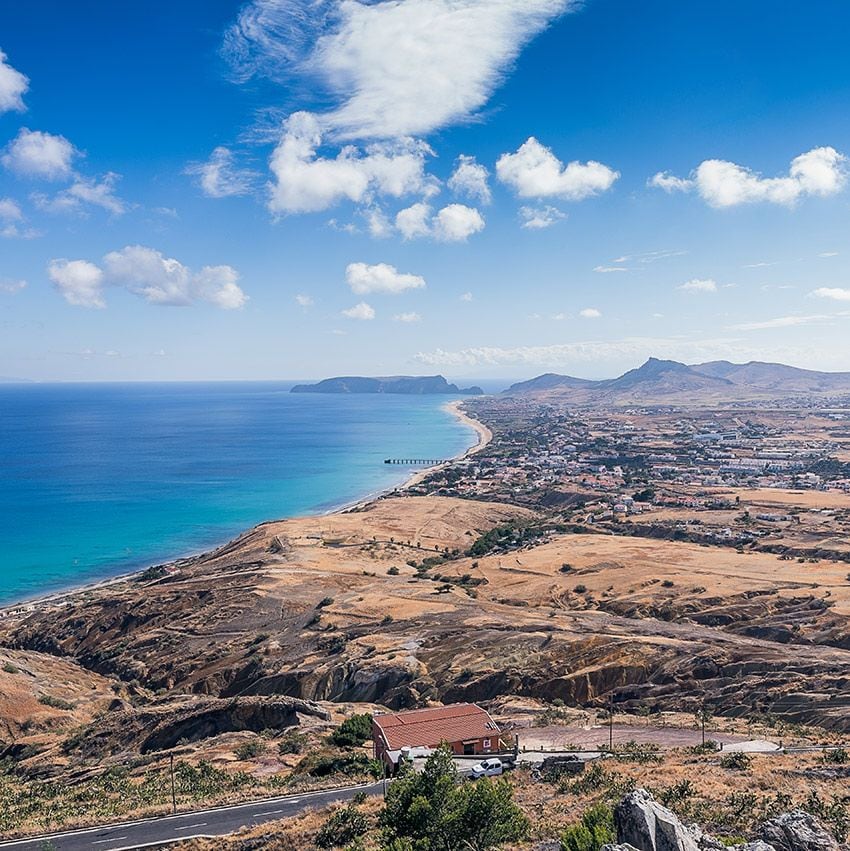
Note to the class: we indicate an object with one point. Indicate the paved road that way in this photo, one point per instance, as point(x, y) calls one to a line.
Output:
point(215, 822)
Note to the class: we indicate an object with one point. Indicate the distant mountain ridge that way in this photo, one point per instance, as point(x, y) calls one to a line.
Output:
point(408, 385)
point(670, 382)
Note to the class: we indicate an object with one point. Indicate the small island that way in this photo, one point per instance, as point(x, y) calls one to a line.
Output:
point(408, 385)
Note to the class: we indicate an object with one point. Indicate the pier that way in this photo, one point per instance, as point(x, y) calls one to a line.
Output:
point(416, 462)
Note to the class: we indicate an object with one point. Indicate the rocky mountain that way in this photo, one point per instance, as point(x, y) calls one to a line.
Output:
point(408, 385)
point(670, 382)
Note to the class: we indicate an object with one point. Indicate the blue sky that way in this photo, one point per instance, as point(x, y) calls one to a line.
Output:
point(297, 188)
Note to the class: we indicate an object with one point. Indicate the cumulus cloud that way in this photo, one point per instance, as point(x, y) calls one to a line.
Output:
point(148, 274)
point(82, 192)
point(467, 297)
point(590, 313)
point(414, 221)
point(219, 177)
point(819, 172)
point(305, 182)
point(538, 218)
point(457, 222)
point(361, 311)
point(394, 68)
point(79, 282)
point(453, 223)
point(303, 300)
point(380, 278)
point(698, 285)
point(40, 155)
point(13, 86)
point(533, 171)
point(407, 317)
point(470, 179)
point(834, 293)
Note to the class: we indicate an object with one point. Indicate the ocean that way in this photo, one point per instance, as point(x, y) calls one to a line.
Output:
point(100, 479)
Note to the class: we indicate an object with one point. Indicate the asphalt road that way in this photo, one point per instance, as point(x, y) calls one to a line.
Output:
point(215, 822)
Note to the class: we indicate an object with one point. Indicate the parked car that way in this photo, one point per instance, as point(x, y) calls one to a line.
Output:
point(492, 767)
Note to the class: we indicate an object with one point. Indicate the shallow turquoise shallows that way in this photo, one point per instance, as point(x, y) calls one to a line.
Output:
point(96, 480)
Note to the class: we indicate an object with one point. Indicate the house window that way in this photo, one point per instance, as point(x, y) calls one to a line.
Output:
point(486, 743)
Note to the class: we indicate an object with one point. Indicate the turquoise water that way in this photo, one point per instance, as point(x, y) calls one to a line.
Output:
point(97, 480)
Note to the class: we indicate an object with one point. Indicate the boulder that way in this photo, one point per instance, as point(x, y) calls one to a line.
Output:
point(648, 826)
point(798, 831)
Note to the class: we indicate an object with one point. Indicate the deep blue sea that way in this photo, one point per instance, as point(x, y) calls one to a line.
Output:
point(99, 479)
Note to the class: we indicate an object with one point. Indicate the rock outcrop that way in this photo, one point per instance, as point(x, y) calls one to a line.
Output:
point(796, 831)
point(645, 825)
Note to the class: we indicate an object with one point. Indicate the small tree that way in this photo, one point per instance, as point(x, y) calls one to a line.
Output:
point(343, 827)
point(354, 731)
point(595, 830)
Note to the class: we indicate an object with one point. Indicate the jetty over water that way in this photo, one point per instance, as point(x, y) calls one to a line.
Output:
point(416, 462)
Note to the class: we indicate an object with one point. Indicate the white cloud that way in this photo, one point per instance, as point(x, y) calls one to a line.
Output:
point(470, 179)
point(379, 225)
point(12, 221)
point(395, 68)
point(457, 222)
point(698, 285)
point(781, 322)
point(453, 223)
point(538, 218)
point(590, 313)
point(607, 270)
point(826, 254)
point(147, 273)
point(818, 172)
point(303, 300)
point(669, 182)
point(380, 278)
point(219, 177)
point(414, 221)
point(98, 193)
point(79, 282)
point(35, 154)
point(9, 286)
point(360, 311)
point(305, 182)
point(533, 171)
point(407, 317)
point(13, 86)
point(467, 297)
point(834, 293)
point(10, 211)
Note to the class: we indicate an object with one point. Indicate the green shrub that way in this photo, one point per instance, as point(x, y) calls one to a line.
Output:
point(595, 830)
point(9, 668)
point(250, 750)
point(344, 826)
point(736, 761)
point(292, 742)
point(393, 571)
point(354, 731)
point(55, 702)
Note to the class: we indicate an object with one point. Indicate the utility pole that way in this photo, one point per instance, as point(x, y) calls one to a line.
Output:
point(173, 790)
point(702, 718)
point(611, 725)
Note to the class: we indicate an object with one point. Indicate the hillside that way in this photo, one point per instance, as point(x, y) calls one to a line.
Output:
point(670, 382)
point(408, 385)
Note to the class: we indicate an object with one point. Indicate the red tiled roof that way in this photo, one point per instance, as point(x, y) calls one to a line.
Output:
point(427, 728)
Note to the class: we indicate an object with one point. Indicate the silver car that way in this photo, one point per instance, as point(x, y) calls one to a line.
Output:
point(492, 767)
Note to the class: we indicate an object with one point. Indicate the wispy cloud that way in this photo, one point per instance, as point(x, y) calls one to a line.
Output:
point(698, 285)
point(782, 322)
point(393, 69)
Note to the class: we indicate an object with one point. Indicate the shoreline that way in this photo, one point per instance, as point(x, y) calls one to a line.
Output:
point(58, 597)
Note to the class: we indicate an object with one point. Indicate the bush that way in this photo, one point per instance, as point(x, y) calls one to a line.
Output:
point(580, 589)
point(354, 731)
point(55, 702)
point(293, 742)
point(343, 827)
point(838, 756)
point(735, 761)
point(387, 620)
point(393, 571)
point(595, 830)
point(9, 668)
point(250, 750)
point(326, 601)
point(346, 763)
